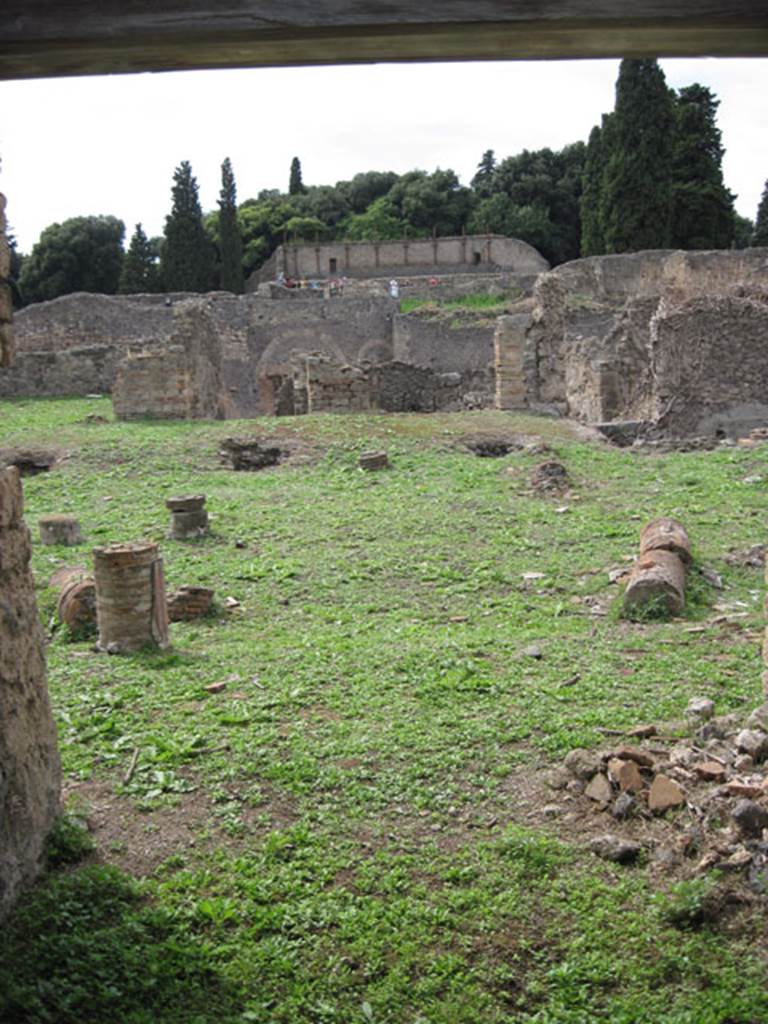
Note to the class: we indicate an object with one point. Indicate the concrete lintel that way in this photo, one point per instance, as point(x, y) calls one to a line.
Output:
point(48, 38)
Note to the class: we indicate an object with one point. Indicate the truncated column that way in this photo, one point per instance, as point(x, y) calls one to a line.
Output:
point(131, 606)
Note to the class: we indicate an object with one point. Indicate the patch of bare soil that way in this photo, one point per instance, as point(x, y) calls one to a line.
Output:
point(138, 841)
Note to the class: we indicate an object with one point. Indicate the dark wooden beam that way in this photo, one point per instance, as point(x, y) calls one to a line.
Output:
point(48, 38)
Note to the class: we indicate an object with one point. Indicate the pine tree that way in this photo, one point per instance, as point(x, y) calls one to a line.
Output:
point(230, 238)
point(187, 263)
point(636, 195)
point(760, 234)
point(702, 207)
point(295, 184)
point(482, 183)
point(140, 273)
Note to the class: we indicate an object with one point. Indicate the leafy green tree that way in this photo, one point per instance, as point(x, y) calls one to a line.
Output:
point(547, 186)
point(743, 230)
point(365, 188)
point(380, 222)
point(760, 234)
point(83, 254)
point(306, 229)
point(702, 207)
point(432, 202)
point(187, 261)
point(230, 239)
point(482, 183)
point(295, 184)
point(636, 195)
point(140, 273)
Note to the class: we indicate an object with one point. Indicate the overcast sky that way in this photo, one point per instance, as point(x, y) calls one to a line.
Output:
point(72, 147)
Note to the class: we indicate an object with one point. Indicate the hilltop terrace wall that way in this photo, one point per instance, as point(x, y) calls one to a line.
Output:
point(457, 254)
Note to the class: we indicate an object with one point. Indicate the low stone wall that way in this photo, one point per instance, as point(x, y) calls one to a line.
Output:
point(30, 773)
point(319, 385)
point(75, 371)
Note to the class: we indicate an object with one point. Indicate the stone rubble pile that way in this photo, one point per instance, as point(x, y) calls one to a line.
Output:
point(715, 783)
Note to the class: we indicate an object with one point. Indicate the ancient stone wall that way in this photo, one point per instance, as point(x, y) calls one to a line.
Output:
point(589, 347)
point(179, 380)
point(74, 371)
point(442, 342)
point(432, 284)
point(467, 254)
point(30, 774)
point(709, 361)
point(320, 385)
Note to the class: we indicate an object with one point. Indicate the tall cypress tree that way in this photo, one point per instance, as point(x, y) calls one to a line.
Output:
point(760, 234)
point(636, 199)
point(230, 238)
point(140, 273)
point(187, 262)
point(295, 184)
point(702, 207)
point(592, 242)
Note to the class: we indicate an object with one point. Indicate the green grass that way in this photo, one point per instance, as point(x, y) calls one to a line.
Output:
point(482, 302)
point(358, 853)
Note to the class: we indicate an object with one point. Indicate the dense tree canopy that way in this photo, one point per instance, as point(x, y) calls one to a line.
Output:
point(650, 176)
point(83, 254)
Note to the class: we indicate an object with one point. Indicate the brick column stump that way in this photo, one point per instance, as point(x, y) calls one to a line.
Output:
point(131, 606)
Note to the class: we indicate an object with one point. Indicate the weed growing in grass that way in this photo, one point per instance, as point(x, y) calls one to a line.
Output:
point(68, 842)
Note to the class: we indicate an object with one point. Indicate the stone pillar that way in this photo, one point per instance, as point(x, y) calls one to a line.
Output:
point(509, 361)
point(6, 305)
point(131, 606)
point(189, 519)
point(30, 772)
point(60, 530)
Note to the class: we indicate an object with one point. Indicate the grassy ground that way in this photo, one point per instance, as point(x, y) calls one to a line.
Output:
point(352, 829)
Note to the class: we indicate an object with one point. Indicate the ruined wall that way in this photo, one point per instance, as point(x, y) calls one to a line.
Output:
point(320, 385)
point(75, 371)
point(179, 380)
point(588, 348)
point(444, 343)
point(30, 774)
point(709, 360)
point(427, 286)
point(467, 253)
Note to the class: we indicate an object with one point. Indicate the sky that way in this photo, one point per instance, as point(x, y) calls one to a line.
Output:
point(109, 145)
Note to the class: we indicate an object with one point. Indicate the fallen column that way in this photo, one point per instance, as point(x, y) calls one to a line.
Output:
point(657, 579)
point(76, 603)
point(131, 606)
